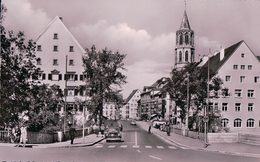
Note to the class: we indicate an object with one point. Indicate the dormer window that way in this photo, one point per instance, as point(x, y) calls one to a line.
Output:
point(39, 48)
point(71, 49)
point(55, 36)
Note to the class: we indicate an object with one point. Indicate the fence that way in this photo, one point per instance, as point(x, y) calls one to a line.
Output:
point(42, 138)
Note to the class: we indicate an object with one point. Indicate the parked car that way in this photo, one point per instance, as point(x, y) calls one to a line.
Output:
point(133, 122)
point(159, 124)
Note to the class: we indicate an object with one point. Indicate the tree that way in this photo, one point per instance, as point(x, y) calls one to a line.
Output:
point(197, 79)
point(104, 77)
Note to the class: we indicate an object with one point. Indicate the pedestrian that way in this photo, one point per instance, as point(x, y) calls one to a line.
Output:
point(23, 138)
point(168, 128)
point(102, 129)
point(72, 133)
point(149, 129)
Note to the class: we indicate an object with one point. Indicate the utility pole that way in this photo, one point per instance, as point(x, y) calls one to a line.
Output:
point(206, 118)
point(65, 94)
point(188, 104)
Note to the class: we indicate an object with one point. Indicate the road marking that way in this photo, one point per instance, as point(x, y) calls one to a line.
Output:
point(123, 146)
point(148, 146)
point(155, 157)
point(136, 146)
point(111, 146)
point(99, 146)
point(172, 147)
point(135, 138)
point(138, 151)
point(160, 147)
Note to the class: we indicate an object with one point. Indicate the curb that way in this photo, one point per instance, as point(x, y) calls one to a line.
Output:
point(83, 145)
point(158, 134)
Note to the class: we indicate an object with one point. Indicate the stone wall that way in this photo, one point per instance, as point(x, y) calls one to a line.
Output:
point(249, 139)
point(222, 137)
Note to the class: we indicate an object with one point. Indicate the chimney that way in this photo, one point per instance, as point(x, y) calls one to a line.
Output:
point(61, 18)
point(222, 54)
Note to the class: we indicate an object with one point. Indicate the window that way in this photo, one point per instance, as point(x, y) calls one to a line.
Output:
point(242, 55)
point(70, 77)
point(238, 93)
point(39, 48)
point(71, 49)
point(256, 79)
point(55, 48)
point(249, 67)
point(242, 67)
point(242, 78)
point(235, 67)
point(250, 123)
point(224, 122)
point(250, 93)
point(180, 56)
point(237, 106)
point(70, 92)
point(39, 61)
point(224, 106)
point(181, 40)
point(225, 92)
point(237, 123)
point(55, 36)
point(71, 62)
point(186, 38)
point(55, 62)
point(43, 76)
point(186, 56)
point(55, 77)
point(228, 78)
point(250, 107)
point(210, 107)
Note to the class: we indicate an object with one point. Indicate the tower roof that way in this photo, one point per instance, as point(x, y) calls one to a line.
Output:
point(185, 22)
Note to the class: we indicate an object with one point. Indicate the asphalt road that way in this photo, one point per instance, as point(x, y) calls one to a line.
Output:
point(137, 146)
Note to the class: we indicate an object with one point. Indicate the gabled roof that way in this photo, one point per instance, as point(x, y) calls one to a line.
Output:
point(185, 22)
point(57, 19)
point(131, 95)
point(215, 62)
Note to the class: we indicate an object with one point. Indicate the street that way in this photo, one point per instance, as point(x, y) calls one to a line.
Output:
point(137, 145)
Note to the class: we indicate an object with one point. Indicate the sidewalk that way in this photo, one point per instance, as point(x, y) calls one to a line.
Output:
point(196, 144)
point(89, 140)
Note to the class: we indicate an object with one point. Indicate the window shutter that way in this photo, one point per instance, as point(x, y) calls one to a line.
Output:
point(50, 77)
point(43, 76)
point(60, 76)
point(66, 92)
point(81, 77)
point(76, 77)
point(76, 92)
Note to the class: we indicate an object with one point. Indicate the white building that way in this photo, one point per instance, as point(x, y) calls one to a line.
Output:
point(238, 67)
point(60, 59)
point(110, 110)
point(130, 107)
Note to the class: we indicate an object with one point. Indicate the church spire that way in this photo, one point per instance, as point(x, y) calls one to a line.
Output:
point(185, 22)
point(185, 47)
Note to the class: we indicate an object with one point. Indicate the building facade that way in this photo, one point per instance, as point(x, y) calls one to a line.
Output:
point(130, 107)
point(239, 104)
point(59, 56)
point(156, 102)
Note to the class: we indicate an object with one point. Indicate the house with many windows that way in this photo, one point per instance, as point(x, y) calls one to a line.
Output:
point(239, 102)
point(59, 55)
point(130, 107)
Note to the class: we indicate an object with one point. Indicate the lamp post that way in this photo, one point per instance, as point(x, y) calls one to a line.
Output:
point(206, 118)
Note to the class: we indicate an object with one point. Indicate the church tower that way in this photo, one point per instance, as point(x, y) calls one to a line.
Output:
point(184, 49)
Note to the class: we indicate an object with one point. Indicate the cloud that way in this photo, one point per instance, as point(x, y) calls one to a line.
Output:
point(21, 16)
point(138, 44)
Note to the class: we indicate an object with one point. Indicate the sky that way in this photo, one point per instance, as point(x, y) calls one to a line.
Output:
point(144, 30)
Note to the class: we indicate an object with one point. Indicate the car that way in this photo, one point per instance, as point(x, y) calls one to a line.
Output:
point(113, 134)
point(158, 124)
point(133, 122)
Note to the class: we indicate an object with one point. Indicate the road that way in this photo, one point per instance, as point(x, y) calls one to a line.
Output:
point(137, 146)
